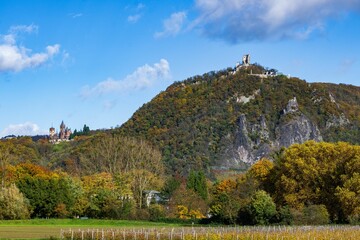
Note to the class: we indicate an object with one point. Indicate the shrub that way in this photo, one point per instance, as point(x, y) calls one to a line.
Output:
point(311, 215)
point(284, 216)
point(156, 212)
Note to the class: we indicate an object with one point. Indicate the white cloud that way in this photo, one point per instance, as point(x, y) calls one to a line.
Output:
point(142, 77)
point(108, 105)
point(346, 65)
point(173, 25)
point(65, 57)
point(14, 57)
point(140, 6)
point(134, 18)
point(76, 15)
point(24, 28)
point(137, 13)
point(23, 129)
point(243, 20)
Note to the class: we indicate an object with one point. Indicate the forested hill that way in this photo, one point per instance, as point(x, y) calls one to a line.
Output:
point(226, 120)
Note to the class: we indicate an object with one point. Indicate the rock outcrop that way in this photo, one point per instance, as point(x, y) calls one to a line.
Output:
point(252, 141)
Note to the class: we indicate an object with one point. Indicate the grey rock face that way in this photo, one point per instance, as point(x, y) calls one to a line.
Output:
point(251, 142)
point(298, 130)
point(292, 106)
point(243, 143)
point(337, 121)
point(254, 141)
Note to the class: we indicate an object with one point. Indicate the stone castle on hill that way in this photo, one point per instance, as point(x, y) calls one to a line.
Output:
point(246, 63)
point(62, 136)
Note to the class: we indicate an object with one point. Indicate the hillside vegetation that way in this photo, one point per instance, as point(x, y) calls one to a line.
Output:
point(195, 122)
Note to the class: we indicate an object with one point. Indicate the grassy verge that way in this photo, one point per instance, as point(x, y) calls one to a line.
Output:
point(83, 222)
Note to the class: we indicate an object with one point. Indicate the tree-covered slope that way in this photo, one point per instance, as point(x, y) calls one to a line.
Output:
point(229, 120)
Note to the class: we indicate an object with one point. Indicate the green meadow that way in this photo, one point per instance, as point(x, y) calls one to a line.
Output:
point(50, 228)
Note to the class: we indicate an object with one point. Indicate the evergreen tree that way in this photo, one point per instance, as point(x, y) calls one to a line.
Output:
point(197, 182)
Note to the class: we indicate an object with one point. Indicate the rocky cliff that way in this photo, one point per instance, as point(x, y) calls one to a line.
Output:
point(252, 141)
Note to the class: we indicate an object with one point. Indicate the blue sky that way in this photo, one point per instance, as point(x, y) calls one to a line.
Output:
point(97, 62)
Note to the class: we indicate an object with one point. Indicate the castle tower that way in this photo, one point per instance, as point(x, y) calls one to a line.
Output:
point(246, 60)
point(67, 133)
point(62, 131)
point(52, 133)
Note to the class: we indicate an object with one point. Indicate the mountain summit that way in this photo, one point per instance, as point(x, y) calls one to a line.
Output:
point(231, 118)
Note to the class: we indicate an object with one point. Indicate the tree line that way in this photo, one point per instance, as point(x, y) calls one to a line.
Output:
point(106, 176)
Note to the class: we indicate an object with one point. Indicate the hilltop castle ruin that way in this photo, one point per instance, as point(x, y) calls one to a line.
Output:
point(246, 63)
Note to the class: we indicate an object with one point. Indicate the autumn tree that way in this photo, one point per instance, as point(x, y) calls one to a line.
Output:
point(186, 204)
point(230, 196)
point(319, 174)
point(348, 193)
point(130, 158)
point(225, 205)
point(4, 160)
point(261, 171)
point(107, 196)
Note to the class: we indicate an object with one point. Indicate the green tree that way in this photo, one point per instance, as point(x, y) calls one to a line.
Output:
point(170, 186)
point(262, 208)
point(197, 182)
point(45, 195)
point(44, 189)
point(86, 130)
point(13, 205)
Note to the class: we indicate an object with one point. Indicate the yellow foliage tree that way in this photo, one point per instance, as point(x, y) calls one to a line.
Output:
point(320, 173)
point(261, 169)
point(184, 213)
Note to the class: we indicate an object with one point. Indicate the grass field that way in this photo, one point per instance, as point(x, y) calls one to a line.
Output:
point(46, 228)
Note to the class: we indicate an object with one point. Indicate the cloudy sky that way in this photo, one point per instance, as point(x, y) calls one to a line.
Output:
point(96, 62)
